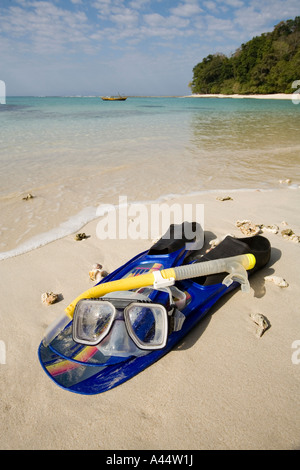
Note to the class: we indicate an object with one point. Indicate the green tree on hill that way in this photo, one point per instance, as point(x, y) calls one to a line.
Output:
point(268, 63)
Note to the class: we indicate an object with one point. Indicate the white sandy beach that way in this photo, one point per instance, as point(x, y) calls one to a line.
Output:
point(275, 96)
point(222, 388)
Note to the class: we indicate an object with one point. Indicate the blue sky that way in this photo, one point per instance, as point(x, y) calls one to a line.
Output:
point(135, 47)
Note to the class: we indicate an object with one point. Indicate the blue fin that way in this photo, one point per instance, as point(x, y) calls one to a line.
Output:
point(84, 369)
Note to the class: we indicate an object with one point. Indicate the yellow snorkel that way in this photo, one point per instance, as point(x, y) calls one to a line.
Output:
point(236, 266)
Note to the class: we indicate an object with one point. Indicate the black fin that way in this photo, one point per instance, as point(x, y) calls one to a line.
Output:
point(259, 246)
point(175, 238)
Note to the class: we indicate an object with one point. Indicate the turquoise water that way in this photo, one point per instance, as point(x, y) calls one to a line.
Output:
point(76, 153)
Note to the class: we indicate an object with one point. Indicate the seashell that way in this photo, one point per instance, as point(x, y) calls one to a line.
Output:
point(290, 235)
point(216, 241)
point(225, 198)
point(278, 281)
point(29, 196)
point(287, 232)
point(295, 238)
point(80, 236)
point(49, 298)
point(97, 272)
point(262, 322)
point(270, 228)
point(97, 266)
point(287, 181)
point(247, 227)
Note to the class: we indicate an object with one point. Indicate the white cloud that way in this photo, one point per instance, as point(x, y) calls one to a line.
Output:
point(215, 25)
point(125, 17)
point(187, 9)
point(257, 17)
point(154, 19)
point(211, 6)
point(139, 4)
point(107, 7)
point(234, 3)
point(45, 27)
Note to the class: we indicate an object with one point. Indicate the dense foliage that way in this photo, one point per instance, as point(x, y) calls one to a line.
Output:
point(269, 63)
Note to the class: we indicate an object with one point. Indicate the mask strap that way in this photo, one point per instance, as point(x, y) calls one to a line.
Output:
point(177, 303)
point(176, 317)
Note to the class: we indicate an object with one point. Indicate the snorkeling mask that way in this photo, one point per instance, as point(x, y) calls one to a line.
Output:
point(121, 324)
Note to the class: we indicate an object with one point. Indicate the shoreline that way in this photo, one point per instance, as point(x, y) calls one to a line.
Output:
point(230, 389)
point(275, 96)
point(78, 221)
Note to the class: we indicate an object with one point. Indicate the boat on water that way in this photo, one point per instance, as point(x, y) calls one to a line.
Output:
point(114, 98)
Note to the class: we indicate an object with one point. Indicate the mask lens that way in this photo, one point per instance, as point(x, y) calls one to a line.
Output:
point(147, 325)
point(92, 321)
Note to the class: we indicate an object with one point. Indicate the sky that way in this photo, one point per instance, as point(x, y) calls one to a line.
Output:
point(132, 47)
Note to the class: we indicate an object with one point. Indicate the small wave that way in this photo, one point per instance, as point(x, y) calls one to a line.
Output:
point(68, 227)
point(89, 214)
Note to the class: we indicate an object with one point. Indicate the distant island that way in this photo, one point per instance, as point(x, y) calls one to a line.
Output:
point(266, 64)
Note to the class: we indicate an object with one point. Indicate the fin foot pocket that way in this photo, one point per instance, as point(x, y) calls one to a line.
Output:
point(176, 237)
point(257, 245)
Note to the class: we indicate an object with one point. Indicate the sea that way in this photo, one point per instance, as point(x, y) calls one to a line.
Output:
point(77, 154)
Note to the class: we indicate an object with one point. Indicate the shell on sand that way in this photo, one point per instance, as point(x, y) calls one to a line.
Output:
point(95, 275)
point(49, 298)
point(290, 235)
point(278, 281)
point(286, 181)
point(262, 322)
point(29, 196)
point(224, 198)
point(247, 227)
point(216, 241)
point(270, 228)
point(97, 272)
point(80, 236)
